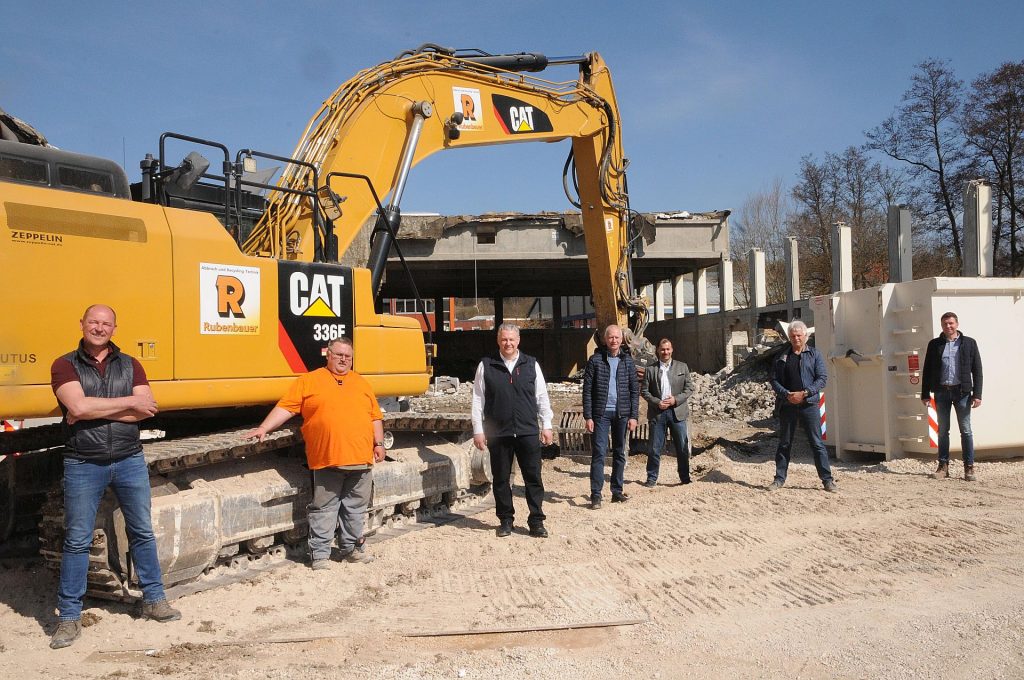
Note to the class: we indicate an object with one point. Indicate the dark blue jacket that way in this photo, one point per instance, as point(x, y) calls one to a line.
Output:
point(970, 366)
point(812, 374)
point(595, 386)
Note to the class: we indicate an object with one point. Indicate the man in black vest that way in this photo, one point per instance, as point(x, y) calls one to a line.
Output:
point(103, 395)
point(509, 393)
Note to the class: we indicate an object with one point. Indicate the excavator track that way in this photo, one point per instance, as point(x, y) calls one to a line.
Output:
point(226, 509)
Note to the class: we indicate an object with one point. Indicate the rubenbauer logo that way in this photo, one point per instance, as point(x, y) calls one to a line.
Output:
point(229, 299)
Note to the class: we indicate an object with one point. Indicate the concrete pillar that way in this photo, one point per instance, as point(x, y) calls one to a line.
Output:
point(439, 315)
point(556, 310)
point(842, 258)
point(700, 291)
point(901, 265)
point(499, 311)
point(726, 294)
point(678, 296)
point(978, 251)
point(792, 272)
point(758, 280)
point(660, 291)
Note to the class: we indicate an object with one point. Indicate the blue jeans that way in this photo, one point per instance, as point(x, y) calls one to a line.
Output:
point(808, 416)
point(84, 485)
point(658, 427)
point(603, 424)
point(960, 401)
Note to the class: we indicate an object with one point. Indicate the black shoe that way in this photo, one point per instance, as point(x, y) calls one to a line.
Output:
point(685, 481)
point(620, 497)
point(650, 483)
point(595, 502)
point(538, 531)
point(505, 528)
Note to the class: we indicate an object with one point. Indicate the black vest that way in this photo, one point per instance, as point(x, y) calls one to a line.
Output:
point(102, 439)
point(510, 399)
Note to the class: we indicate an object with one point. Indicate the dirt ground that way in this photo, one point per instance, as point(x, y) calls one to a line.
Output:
point(896, 576)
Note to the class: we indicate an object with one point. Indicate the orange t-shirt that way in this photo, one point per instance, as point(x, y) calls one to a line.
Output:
point(337, 417)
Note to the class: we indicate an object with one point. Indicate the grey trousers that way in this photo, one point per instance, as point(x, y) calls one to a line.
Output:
point(338, 495)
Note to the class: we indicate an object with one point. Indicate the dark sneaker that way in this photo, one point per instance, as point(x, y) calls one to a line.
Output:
point(320, 565)
point(595, 502)
point(67, 632)
point(942, 472)
point(620, 497)
point(538, 531)
point(160, 611)
point(831, 487)
point(969, 473)
point(504, 529)
point(651, 483)
point(775, 485)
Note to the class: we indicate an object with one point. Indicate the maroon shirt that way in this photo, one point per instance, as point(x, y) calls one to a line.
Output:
point(63, 371)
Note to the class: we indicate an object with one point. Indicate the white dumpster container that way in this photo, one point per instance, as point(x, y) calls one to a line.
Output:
point(874, 342)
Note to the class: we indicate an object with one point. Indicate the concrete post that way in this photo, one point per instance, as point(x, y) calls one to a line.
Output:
point(439, 316)
point(499, 311)
point(660, 290)
point(726, 294)
point(678, 296)
point(842, 258)
point(758, 285)
point(792, 272)
point(901, 266)
point(978, 251)
point(700, 291)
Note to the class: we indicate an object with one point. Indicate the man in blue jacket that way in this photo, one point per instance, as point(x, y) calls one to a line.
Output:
point(798, 376)
point(611, 403)
point(952, 373)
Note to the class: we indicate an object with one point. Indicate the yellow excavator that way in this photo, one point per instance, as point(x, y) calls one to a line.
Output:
point(225, 296)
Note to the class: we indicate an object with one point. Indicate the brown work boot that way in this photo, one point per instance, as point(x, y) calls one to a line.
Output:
point(969, 473)
point(160, 611)
point(941, 472)
point(67, 632)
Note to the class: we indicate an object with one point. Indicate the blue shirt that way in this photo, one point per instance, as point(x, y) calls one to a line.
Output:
point(613, 368)
point(950, 365)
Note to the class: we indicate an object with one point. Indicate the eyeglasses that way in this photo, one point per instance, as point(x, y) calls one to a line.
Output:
point(340, 355)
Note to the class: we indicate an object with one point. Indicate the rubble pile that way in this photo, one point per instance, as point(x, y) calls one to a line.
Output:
point(743, 394)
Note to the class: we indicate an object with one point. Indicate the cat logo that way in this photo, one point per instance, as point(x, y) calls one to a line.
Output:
point(315, 294)
point(518, 117)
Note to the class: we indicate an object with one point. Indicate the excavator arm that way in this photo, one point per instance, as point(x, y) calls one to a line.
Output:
point(387, 119)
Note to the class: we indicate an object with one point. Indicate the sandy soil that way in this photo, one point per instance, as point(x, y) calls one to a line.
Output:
point(896, 576)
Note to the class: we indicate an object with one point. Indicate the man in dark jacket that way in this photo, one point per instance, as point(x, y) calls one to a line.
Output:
point(611, 403)
point(666, 387)
point(103, 395)
point(952, 373)
point(509, 393)
point(798, 377)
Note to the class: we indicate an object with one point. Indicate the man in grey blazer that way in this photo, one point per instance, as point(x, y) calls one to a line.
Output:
point(666, 387)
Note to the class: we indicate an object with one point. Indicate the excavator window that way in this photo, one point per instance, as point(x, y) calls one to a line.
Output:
point(23, 170)
point(83, 179)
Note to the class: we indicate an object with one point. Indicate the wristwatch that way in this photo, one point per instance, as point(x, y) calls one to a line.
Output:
point(376, 444)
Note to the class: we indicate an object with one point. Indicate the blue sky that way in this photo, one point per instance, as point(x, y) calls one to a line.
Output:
point(717, 99)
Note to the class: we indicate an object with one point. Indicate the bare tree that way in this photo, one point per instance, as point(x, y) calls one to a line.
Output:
point(923, 132)
point(993, 123)
point(761, 223)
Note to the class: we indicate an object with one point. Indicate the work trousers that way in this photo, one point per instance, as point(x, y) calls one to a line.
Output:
point(526, 450)
point(340, 499)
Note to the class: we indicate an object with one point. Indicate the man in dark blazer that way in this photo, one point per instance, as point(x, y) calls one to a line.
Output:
point(666, 387)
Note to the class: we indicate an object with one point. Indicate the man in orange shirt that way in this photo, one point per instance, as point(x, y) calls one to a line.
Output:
point(344, 433)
